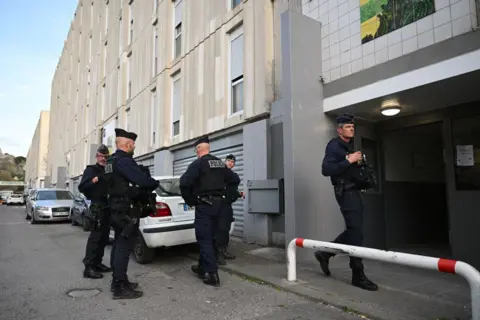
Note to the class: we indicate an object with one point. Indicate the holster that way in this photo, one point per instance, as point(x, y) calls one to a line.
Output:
point(131, 222)
point(98, 215)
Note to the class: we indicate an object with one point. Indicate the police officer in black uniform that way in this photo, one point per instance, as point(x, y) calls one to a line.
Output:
point(94, 186)
point(341, 164)
point(225, 221)
point(203, 186)
point(122, 172)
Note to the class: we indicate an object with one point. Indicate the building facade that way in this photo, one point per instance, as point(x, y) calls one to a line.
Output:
point(266, 79)
point(405, 69)
point(170, 71)
point(36, 163)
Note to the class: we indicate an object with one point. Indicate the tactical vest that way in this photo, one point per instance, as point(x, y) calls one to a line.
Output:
point(100, 190)
point(118, 186)
point(212, 176)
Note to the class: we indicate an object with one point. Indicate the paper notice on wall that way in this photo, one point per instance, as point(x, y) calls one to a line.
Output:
point(465, 156)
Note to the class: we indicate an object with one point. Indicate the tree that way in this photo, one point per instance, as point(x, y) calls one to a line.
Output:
point(20, 160)
point(5, 175)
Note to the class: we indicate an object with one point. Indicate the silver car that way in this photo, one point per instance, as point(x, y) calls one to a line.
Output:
point(50, 205)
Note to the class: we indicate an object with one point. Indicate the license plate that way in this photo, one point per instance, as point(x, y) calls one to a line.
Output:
point(60, 214)
point(186, 207)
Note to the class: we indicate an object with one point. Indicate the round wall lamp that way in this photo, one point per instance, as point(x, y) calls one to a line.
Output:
point(390, 111)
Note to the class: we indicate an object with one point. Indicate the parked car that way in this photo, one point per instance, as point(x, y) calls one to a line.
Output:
point(4, 196)
point(50, 205)
point(171, 225)
point(28, 201)
point(80, 214)
point(15, 198)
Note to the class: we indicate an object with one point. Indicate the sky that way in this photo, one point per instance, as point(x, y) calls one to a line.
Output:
point(31, 41)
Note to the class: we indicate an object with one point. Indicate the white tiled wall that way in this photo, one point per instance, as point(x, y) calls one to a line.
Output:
point(343, 52)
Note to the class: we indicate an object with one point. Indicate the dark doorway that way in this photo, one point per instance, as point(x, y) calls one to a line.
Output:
point(415, 190)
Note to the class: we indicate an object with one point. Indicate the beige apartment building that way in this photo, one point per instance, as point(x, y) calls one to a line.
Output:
point(36, 164)
point(170, 71)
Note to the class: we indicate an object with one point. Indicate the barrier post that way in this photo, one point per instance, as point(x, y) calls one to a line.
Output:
point(443, 265)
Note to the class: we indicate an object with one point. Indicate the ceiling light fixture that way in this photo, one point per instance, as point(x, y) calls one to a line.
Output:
point(390, 108)
point(390, 111)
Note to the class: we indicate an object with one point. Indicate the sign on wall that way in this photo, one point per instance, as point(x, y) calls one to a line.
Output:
point(379, 17)
point(108, 137)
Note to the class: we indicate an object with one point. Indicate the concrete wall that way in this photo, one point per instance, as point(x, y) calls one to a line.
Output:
point(311, 210)
point(90, 85)
point(343, 52)
point(36, 163)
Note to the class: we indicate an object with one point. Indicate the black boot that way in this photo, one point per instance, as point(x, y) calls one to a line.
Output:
point(122, 290)
point(198, 271)
point(91, 273)
point(360, 280)
point(212, 279)
point(323, 258)
point(132, 285)
point(220, 257)
point(227, 255)
point(102, 268)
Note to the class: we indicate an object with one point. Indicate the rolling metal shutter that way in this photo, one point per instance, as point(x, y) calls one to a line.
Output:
point(180, 166)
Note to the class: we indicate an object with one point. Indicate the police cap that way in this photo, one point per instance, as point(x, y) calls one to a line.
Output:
point(346, 118)
point(230, 157)
point(203, 139)
point(103, 149)
point(120, 133)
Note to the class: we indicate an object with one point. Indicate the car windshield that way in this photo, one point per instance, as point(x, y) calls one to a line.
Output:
point(16, 195)
point(169, 187)
point(54, 195)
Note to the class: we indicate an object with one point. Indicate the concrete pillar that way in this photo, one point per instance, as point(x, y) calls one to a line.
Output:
point(311, 210)
point(163, 163)
point(61, 177)
point(93, 153)
point(255, 167)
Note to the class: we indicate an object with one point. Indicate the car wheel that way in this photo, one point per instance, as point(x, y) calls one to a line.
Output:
point(34, 221)
point(142, 253)
point(86, 224)
point(27, 217)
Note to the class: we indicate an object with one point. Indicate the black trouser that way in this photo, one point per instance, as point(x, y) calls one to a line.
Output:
point(99, 235)
point(206, 224)
point(222, 236)
point(122, 246)
point(351, 206)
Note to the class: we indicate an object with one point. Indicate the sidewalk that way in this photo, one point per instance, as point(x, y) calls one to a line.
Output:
point(405, 293)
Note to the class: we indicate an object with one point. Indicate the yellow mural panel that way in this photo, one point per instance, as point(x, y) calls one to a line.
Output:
point(370, 26)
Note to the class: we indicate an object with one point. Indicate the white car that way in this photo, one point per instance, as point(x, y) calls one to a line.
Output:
point(15, 199)
point(172, 224)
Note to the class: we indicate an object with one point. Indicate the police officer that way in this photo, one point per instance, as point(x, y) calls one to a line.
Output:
point(122, 172)
point(341, 164)
point(203, 186)
point(225, 221)
point(94, 186)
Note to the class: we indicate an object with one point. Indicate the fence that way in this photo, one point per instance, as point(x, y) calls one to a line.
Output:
point(442, 265)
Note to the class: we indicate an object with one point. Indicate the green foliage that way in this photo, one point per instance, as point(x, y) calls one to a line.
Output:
point(5, 175)
point(371, 9)
point(396, 14)
point(11, 167)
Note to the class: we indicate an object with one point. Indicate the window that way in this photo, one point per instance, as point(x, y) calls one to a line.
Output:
point(177, 36)
point(102, 106)
point(130, 33)
point(155, 52)
point(87, 122)
point(236, 71)
point(90, 50)
point(235, 3)
point(153, 114)
point(176, 104)
point(155, 6)
point(129, 78)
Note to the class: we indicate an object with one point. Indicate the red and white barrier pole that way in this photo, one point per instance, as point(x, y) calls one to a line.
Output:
point(443, 265)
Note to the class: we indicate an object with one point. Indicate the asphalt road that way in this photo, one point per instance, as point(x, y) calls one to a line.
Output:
point(41, 264)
